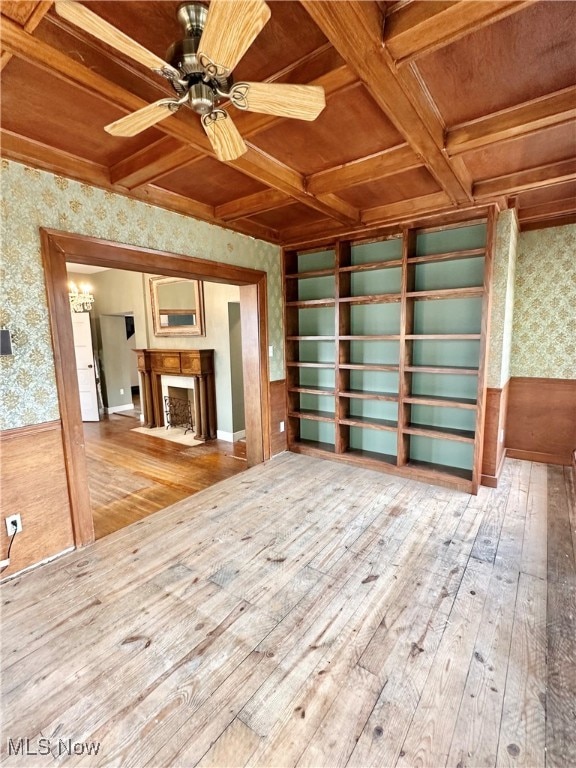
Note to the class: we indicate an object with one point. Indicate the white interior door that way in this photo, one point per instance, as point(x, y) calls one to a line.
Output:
point(85, 366)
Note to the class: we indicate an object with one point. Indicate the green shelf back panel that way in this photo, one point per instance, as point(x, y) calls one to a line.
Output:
point(374, 409)
point(316, 321)
point(451, 418)
point(317, 288)
point(324, 403)
point(385, 250)
point(373, 440)
point(317, 377)
point(449, 240)
point(319, 431)
point(374, 381)
point(376, 281)
point(383, 352)
point(462, 273)
point(316, 351)
point(444, 385)
point(448, 316)
point(446, 452)
point(371, 319)
point(308, 262)
point(451, 353)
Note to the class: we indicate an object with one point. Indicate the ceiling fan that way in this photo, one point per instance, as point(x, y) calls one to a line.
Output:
point(199, 68)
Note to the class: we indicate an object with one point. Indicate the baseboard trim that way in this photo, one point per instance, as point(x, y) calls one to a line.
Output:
point(231, 437)
point(542, 458)
point(38, 564)
point(120, 408)
point(492, 480)
point(30, 429)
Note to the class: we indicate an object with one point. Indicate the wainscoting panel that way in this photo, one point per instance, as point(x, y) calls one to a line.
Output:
point(33, 479)
point(541, 423)
point(277, 414)
point(494, 431)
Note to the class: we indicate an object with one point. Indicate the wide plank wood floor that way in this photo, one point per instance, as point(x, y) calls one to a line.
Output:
point(132, 475)
point(306, 613)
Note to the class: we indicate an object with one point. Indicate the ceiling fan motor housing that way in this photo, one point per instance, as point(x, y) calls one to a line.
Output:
point(202, 92)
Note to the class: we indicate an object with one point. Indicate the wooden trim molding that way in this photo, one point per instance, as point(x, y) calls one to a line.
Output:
point(31, 429)
point(60, 247)
point(541, 422)
point(494, 435)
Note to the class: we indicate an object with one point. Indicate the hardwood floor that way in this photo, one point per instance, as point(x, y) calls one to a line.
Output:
point(307, 613)
point(132, 475)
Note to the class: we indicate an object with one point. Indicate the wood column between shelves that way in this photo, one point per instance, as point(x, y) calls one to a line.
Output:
point(406, 329)
point(342, 323)
point(290, 259)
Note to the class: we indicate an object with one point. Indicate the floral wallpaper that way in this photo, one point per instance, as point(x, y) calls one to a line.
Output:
point(502, 309)
point(32, 199)
point(544, 330)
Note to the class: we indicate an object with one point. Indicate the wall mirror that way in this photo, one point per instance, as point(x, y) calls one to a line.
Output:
point(177, 306)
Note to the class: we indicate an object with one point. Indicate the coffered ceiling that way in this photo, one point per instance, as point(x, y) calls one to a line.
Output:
point(432, 107)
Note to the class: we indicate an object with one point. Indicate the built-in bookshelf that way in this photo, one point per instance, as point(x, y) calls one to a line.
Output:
point(385, 348)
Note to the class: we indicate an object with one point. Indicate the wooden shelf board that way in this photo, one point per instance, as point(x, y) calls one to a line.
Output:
point(312, 415)
point(447, 293)
point(444, 433)
point(368, 367)
point(309, 274)
point(454, 402)
point(385, 458)
point(310, 338)
point(452, 256)
point(444, 336)
point(375, 298)
point(373, 337)
point(440, 469)
point(370, 266)
point(442, 369)
point(313, 390)
point(370, 423)
point(294, 364)
point(362, 394)
point(312, 447)
point(310, 303)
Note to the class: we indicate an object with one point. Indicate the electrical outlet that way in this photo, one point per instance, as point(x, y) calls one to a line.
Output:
point(281, 426)
point(9, 524)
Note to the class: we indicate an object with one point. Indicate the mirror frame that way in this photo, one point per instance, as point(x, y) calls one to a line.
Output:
point(177, 330)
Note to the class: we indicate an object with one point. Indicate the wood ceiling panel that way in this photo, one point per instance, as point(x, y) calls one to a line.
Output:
point(288, 216)
point(401, 186)
point(566, 191)
point(522, 57)
point(210, 182)
point(542, 148)
point(55, 113)
point(351, 126)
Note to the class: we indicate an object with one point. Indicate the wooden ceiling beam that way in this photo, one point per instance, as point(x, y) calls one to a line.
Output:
point(152, 162)
point(555, 221)
point(436, 201)
point(260, 202)
point(553, 209)
point(377, 166)
point(531, 178)
point(41, 9)
point(520, 120)
point(184, 127)
point(355, 29)
point(57, 161)
point(415, 29)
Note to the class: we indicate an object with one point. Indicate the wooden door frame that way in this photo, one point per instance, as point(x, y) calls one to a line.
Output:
point(61, 247)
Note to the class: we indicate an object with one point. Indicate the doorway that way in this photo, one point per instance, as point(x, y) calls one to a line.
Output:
point(59, 248)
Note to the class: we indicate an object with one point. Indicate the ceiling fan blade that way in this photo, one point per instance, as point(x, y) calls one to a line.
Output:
point(231, 28)
point(87, 20)
point(138, 121)
point(304, 102)
point(223, 135)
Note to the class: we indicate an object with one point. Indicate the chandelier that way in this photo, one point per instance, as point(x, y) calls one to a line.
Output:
point(81, 299)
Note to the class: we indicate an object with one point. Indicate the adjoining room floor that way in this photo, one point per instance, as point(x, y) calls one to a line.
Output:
point(132, 475)
point(308, 613)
